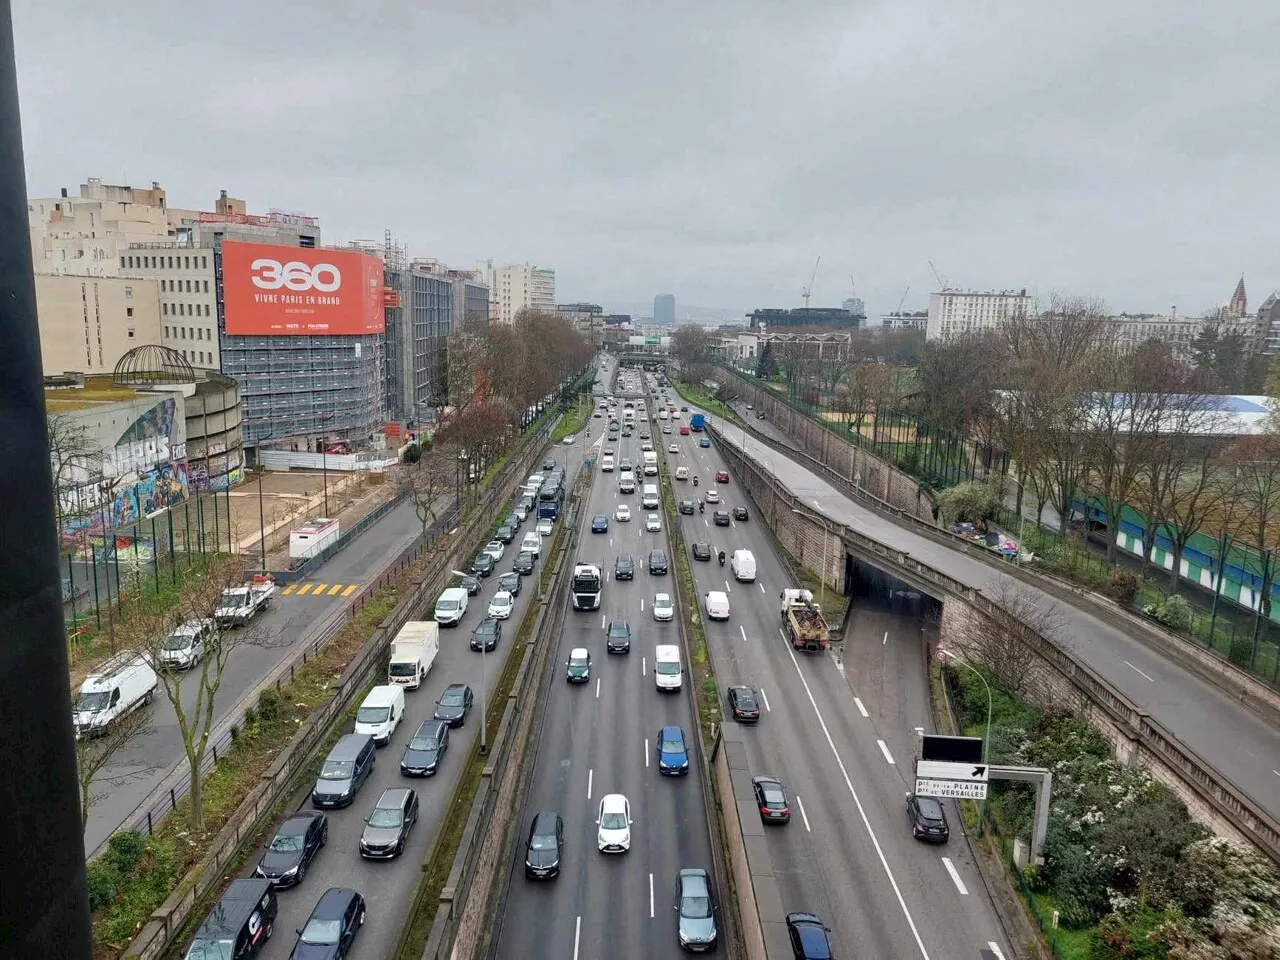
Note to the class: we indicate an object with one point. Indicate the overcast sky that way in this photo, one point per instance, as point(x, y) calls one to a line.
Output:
point(708, 149)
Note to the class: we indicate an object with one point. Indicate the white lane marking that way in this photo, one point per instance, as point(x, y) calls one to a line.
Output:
point(590, 773)
point(885, 750)
point(1276, 772)
point(744, 632)
point(884, 863)
point(803, 816)
point(705, 523)
point(577, 933)
point(761, 586)
point(1136, 670)
point(995, 948)
point(651, 896)
point(886, 638)
point(766, 700)
point(642, 603)
point(603, 622)
point(646, 751)
point(782, 633)
point(611, 541)
point(816, 504)
point(642, 667)
point(727, 588)
point(861, 709)
point(955, 877)
point(597, 688)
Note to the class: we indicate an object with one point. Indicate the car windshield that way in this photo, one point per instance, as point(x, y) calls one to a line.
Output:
point(423, 743)
point(451, 700)
point(695, 908)
point(618, 630)
point(210, 950)
point(447, 605)
point(661, 602)
point(614, 820)
point(177, 641)
point(373, 714)
point(287, 843)
point(321, 932)
point(666, 667)
point(746, 698)
point(542, 841)
point(336, 770)
point(486, 626)
point(382, 817)
point(672, 746)
point(578, 662)
point(92, 702)
point(501, 601)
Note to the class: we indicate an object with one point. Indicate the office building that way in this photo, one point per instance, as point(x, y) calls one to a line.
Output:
point(857, 309)
point(918, 320)
point(188, 290)
point(85, 235)
point(587, 318)
point(87, 323)
point(803, 317)
point(516, 287)
point(664, 309)
point(417, 338)
point(953, 313)
point(1269, 325)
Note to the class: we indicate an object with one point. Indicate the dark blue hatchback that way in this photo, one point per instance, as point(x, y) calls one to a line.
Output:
point(600, 524)
point(673, 753)
point(334, 922)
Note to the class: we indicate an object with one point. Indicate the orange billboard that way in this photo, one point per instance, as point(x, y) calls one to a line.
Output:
point(271, 290)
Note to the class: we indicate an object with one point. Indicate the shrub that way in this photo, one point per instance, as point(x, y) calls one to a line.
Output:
point(1174, 612)
point(103, 881)
point(1123, 585)
point(1241, 651)
point(124, 850)
point(269, 705)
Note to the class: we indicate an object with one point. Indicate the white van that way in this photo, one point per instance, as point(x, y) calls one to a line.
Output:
point(650, 463)
point(649, 498)
point(626, 482)
point(717, 605)
point(122, 684)
point(682, 473)
point(606, 463)
point(381, 713)
point(451, 607)
point(666, 667)
point(743, 565)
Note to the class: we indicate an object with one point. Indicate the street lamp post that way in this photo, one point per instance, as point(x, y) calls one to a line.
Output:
point(484, 701)
point(978, 673)
point(262, 516)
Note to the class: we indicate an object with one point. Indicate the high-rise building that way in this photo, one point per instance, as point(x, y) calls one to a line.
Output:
point(857, 309)
point(664, 309)
point(953, 313)
point(1269, 325)
point(516, 287)
point(587, 318)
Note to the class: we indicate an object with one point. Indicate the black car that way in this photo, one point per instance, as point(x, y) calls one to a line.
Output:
point(549, 463)
point(482, 565)
point(470, 584)
point(928, 819)
point(513, 520)
point(658, 562)
point(386, 829)
point(618, 639)
point(624, 568)
point(808, 937)
point(546, 839)
point(334, 922)
point(525, 503)
point(523, 564)
point(510, 582)
point(701, 550)
point(721, 518)
point(486, 634)
point(454, 704)
point(743, 704)
point(507, 532)
point(686, 506)
point(292, 849)
point(771, 799)
point(426, 749)
point(600, 524)
point(740, 513)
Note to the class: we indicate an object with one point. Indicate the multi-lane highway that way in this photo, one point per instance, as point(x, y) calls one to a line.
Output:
point(387, 885)
point(841, 737)
point(1238, 742)
point(599, 738)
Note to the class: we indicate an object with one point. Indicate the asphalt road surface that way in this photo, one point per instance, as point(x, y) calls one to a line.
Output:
point(841, 735)
point(387, 885)
point(1235, 740)
point(599, 738)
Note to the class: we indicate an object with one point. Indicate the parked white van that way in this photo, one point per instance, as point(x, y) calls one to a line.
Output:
point(649, 498)
point(451, 606)
point(743, 566)
point(122, 684)
point(381, 713)
point(666, 667)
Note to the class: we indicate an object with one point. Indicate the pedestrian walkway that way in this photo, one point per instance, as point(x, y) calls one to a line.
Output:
point(313, 589)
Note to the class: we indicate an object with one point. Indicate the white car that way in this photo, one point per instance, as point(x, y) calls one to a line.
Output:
point(662, 607)
point(653, 524)
point(501, 605)
point(622, 514)
point(545, 528)
point(494, 549)
point(673, 448)
point(569, 439)
point(713, 495)
point(682, 473)
point(532, 543)
point(646, 446)
point(614, 823)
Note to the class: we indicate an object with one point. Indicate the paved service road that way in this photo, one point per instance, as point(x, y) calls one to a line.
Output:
point(599, 738)
point(388, 885)
point(841, 737)
point(1231, 737)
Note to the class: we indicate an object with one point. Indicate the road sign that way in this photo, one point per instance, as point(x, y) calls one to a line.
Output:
point(945, 770)
point(956, 789)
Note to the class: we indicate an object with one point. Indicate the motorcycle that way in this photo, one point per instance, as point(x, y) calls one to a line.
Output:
point(722, 558)
point(702, 507)
point(695, 481)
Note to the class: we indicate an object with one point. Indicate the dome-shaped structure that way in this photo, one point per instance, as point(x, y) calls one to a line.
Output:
point(151, 364)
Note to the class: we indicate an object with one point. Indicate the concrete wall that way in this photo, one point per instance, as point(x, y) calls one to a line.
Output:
point(88, 323)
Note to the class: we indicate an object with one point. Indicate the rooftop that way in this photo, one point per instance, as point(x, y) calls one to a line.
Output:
point(97, 390)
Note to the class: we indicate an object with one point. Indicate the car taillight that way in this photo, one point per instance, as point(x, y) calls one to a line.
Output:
point(785, 811)
point(765, 811)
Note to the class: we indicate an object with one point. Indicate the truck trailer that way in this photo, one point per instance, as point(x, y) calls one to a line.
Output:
point(412, 652)
point(803, 621)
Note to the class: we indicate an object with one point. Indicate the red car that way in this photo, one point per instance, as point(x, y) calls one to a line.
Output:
point(722, 476)
point(684, 431)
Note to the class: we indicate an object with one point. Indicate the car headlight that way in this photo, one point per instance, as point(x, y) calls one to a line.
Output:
point(292, 871)
point(684, 937)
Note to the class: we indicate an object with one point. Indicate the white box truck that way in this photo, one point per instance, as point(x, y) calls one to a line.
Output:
point(120, 685)
point(412, 652)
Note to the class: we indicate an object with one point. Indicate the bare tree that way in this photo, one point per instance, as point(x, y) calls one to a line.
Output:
point(1005, 654)
point(75, 461)
point(1255, 487)
point(193, 694)
point(426, 481)
point(95, 754)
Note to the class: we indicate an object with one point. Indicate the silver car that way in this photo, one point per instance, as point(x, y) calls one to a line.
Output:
point(387, 827)
point(695, 910)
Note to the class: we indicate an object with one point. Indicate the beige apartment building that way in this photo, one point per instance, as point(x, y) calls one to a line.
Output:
point(516, 287)
point(87, 323)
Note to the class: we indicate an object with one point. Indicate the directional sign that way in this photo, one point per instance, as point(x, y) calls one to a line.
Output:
point(945, 770)
point(957, 789)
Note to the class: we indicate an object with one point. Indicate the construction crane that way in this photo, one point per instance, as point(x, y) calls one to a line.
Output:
point(942, 284)
point(898, 312)
point(807, 292)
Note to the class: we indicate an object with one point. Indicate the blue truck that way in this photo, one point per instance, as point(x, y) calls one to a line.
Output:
point(697, 422)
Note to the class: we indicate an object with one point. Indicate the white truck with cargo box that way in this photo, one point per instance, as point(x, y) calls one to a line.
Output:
point(238, 605)
point(412, 652)
point(120, 685)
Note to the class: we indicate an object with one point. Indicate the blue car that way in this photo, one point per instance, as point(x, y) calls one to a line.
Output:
point(600, 524)
point(673, 754)
point(704, 442)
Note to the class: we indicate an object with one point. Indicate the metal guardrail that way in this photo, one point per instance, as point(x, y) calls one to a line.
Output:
point(1208, 783)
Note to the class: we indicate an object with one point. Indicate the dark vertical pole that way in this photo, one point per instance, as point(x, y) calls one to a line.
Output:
point(1262, 603)
point(1223, 546)
point(155, 554)
point(47, 913)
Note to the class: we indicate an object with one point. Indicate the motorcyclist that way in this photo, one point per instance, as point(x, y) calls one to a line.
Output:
point(695, 479)
point(702, 507)
point(722, 558)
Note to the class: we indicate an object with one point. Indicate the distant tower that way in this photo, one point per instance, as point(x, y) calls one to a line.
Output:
point(664, 308)
point(1239, 306)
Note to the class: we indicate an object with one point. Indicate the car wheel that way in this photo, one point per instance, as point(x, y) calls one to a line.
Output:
point(324, 834)
point(360, 922)
point(302, 871)
point(269, 930)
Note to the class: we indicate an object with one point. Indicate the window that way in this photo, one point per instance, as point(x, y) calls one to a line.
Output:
point(184, 355)
point(164, 307)
point(188, 262)
point(128, 312)
point(128, 292)
point(183, 332)
point(206, 286)
point(130, 331)
point(204, 265)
